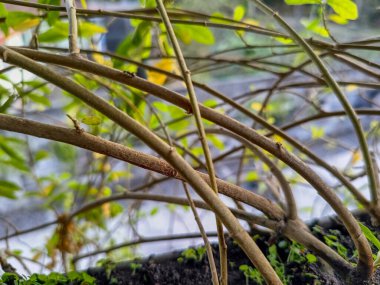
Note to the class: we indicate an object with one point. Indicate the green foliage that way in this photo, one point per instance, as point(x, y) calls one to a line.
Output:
point(251, 274)
point(72, 278)
point(135, 266)
point(195, 254)
point(8, 189)
point(187, 34)
point(59, 31)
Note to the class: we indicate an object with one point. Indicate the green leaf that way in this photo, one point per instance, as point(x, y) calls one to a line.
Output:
point(216, 141)
point(370, 236)
point(60, 31)
point(3, 14)
point(91, 120)
point(9, 150)
point(317, 132)
point(315, 27)
point(187, 34)
point(311, 258)
point(161, 106)
point(239, 13)
point(252, 176)
point(41, 154)
point(7, 103)
point(8, 189)
point(302, 2)
point(134, 45)
point(52, 16)
point(338, 19)
point(39, 99)
point(345, 8)
point(19, 20)
point(88, 29)
point(56, 33)
point(376, 263)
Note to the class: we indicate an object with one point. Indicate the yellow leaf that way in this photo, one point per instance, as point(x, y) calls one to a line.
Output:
point(356, 156)
point(252, 22)
point(27, 24)
point(256, 106)
point(338, 19)
point(351, 87)
point(47, 190)
point(98, 155)
point(278, 139)
point(159, 78)
point(106, 167)
point(106, 209)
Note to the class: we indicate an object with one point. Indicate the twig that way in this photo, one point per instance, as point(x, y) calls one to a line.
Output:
point(186, 74)
point(73, 27)
point(155, 143)
point(210, 255)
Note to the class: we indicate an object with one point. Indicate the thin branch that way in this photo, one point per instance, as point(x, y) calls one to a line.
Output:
point(232, 125)
point(73, 27)
point(168, 153)
point(365, 264)
point(140, 241)
point(210, 255)
point(186, 74)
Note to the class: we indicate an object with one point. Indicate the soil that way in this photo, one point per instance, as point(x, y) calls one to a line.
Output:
point(297, 264)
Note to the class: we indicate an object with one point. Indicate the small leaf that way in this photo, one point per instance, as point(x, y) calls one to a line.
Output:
point(302, 2)
point(187, 34)
point(284, 40)
point(315, 27)
point(88, 29)
point(252, 176)
point(8, 189)
point(216, 141)
point(41, 154)
point(160, 78)
point(39, 99)
point(311, 258)
point(161, 106)
point(356, 156)
point(370, 236)
point(3, 14)
point(338, 19)
point(347, 9)
point(317, 132)
point(376, 263)
point(239, 13)
point(20, 21)
point(91, 120)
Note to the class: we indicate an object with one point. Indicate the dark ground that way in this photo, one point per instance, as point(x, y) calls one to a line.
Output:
point(299, 266)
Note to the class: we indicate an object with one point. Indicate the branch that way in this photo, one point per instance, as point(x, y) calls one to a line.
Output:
point(186, 74)
point(365, 264)
point(230, 124)
point(73, 27)
point(123, 153)
point(140, 241)
point(155, 143)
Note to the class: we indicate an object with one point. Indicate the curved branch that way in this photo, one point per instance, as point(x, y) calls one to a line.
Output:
point(168, 153)
point(232, 125)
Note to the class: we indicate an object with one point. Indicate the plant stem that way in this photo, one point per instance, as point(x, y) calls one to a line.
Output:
point(232, 125)
point(186, 74)
point(210, 256)
point(365, 265)
point(73, 27)
point(168, 153)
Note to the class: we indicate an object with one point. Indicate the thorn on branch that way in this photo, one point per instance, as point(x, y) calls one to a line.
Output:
point(76, 124)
